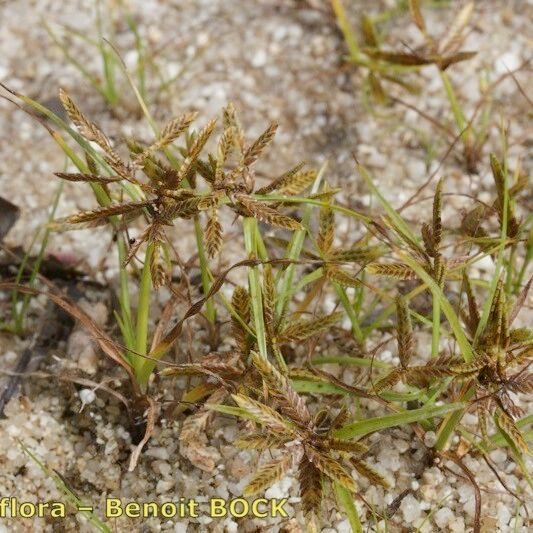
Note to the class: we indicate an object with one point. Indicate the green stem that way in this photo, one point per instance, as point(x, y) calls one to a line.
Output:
point(249, 226)
point(460, 119)
point(295, 249)
point(204, 270)
point(343, 297)
point(450, 422)
point(141, 327)
point(435, 337)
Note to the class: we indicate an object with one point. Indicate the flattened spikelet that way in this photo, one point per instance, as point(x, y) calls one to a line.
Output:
point(254, 151)
point(392, 270)
point(91, 178)
point(213, 234)
point(370, 473)
point(416, 15)
point(261, 442)
point(405, 331)
point(266, 214)
point(281, 181)
point(326, 229)
point(298, 183)
point(310, 480)
point(169, 134)
point(437, 217)
point(157, 269)
point(332, 469)
point(356, 255)
point(340, 276)
point(369, 32)
point(87, 128)
point(267, 475)
point(264, 414)
point(292, 404)
point(387, 382)
point(104, 212)
point(303, 329)
point(194, 152)
point(347, 446)
point(506, 424)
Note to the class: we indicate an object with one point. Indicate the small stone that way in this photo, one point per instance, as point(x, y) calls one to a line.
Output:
point(87, 396)
point(410, 508)
point(443, 517)
point(259, 60)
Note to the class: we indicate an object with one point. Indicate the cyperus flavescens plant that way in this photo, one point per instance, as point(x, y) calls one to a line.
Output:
point(284, 422)
point(166, 191)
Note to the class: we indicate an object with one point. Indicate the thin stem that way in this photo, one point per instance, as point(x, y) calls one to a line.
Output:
point(143, 312)
point(249, 226)
point(435, 336)
point(204, 270)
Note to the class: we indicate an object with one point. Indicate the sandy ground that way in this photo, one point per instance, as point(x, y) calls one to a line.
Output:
point(281, 61)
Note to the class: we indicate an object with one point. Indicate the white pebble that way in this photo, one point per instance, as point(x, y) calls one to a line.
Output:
point(443, 517)
point(410, 508)
point(259, 60)
point(87, 396)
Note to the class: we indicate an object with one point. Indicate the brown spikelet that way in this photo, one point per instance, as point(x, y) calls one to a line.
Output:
point(230, 120)
point(281, 181)
point(369, 32)
point(263, 414)
point(340, 276)
point(356, 255)
point(213, 234)
point(427, 237)
point(157, 269)
point(91, 178)
point(240, 302)
point(507, 426)
point(469, 369)
point(471, 223)
point(331, 468)
point(197, 146)
point(224, 148)
point(520, 300)
point(169, 134)
point(266, 214)
point(392, 270)
point(452, 39)
point(103, 213)
point(299, 330)
point(437, 217)
point(416, 15)
point(370, 473)
point(482, 420)
point(520, 335)
point(376, 89)
point(522, 384)
point(261, 442)
point(405, 332)
point(326, 229)
point(91, 163)
point(87, 128)
point(473, 310)
point(268, 292)
point(399, 58)
point(293, 405)
point(298, 183)
point(346, 446)
point(254, 150)
point(310, 480)
point(387, 382)
point(267, 474)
